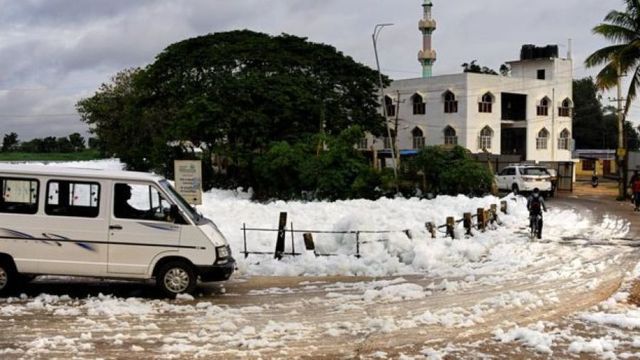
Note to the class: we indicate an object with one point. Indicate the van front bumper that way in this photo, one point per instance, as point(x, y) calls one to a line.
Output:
point(217, 272)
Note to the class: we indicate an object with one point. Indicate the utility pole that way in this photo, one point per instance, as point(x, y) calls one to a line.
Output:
point(621, 152)
point(395, 139)
point(553, 125)
point(374, 37)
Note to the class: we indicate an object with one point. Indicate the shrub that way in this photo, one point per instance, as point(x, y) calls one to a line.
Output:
point(450, 171)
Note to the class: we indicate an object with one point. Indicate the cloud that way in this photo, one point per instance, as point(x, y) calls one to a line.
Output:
point(54, 52)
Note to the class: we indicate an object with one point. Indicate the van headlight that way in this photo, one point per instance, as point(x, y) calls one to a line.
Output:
point(222, 252)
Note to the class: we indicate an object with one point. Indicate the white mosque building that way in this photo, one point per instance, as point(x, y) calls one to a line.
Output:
point(526, 113)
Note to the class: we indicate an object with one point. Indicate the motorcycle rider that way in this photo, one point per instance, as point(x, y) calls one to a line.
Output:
point(535, 205)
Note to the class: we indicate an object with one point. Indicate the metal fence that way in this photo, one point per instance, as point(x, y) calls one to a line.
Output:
point(483, 217)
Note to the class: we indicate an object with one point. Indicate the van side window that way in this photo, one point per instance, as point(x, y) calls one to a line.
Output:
point(136, 201)
point(19, 196)
point(72, 198)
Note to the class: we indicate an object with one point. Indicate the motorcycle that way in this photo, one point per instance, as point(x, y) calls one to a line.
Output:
point(594, 181)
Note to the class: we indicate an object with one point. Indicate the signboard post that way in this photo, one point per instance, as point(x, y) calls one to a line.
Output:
point(188, 175)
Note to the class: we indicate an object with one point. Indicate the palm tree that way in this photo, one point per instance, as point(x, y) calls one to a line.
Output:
point(622, 28)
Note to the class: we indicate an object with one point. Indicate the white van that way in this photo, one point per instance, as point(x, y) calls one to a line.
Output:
point(106, 224)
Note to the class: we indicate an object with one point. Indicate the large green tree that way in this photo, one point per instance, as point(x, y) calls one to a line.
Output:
point(233, 93)
point(9, 142)
point(591, 130)
point(622, 28)
point(595, 126)
point(115, 115)
point(472, 67)
point(339, 172)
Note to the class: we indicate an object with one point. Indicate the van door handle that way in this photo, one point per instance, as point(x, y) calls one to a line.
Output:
point(115, 227)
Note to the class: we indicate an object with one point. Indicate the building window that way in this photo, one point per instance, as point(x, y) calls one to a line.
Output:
point(565, 109)
point(450, 137)
point(486, 134)
point(363, 144)
point(419, 107)
point(542, 140)
point(450, 103)
point(541, 74)
point(588, 164)
point(543, 107)
point(387, 142)
point(391, 108)
point(484, 106)
point(563, 141)
point(418, 138)
point(19, 196)
point(72, 198)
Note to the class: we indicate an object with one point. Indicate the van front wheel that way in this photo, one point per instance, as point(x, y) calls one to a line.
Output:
point(7, 278)
point(176, 277)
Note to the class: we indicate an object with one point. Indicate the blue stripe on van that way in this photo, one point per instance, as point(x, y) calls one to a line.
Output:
point(17, 234)
point(56, 237)
point(160, 227)
point(86, 242)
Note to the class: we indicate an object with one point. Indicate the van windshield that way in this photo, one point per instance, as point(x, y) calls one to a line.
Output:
point(191, 212)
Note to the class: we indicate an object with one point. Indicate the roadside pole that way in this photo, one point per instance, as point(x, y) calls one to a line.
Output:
point(621, 151)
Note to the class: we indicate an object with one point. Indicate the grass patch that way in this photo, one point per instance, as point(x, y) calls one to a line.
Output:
point(88, 154)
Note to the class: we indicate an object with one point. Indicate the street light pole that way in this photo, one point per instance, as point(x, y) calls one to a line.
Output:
point(374, 37)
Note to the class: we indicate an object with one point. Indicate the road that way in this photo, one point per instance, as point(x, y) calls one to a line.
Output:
point(332, 317)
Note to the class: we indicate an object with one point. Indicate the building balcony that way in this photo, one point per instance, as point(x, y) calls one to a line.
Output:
point(426, 24)
point(427, 55)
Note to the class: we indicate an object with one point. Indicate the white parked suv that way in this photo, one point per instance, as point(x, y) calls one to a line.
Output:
point(521, 177)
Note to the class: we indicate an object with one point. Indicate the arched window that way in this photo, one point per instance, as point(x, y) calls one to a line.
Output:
point(542, 139)
point(450, 137)
point(363, 143)
point(389, 141)
point(543, 107)
point(565, 109)
point(563, 141)
point(485, 104)
point(419, 107)
point(391, 108)
point(486, 134)
point(450, 102)
point(418, 138)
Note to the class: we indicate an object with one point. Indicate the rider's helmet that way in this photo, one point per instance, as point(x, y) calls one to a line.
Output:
point(536, 191)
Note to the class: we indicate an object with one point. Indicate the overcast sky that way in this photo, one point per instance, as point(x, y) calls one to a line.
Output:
point(55, 52)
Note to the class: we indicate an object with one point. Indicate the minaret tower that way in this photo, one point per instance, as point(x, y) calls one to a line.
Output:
point(427, 56)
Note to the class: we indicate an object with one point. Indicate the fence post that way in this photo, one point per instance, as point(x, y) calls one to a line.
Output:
point(503, 206)
point(308, 243)
point(482, 219)
point(280, 239)
point(293, 246)
point(358, 244)
point(493, 213)
point(244, 234)
point(450, 225)
point(466, 221)
point(431, 228)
